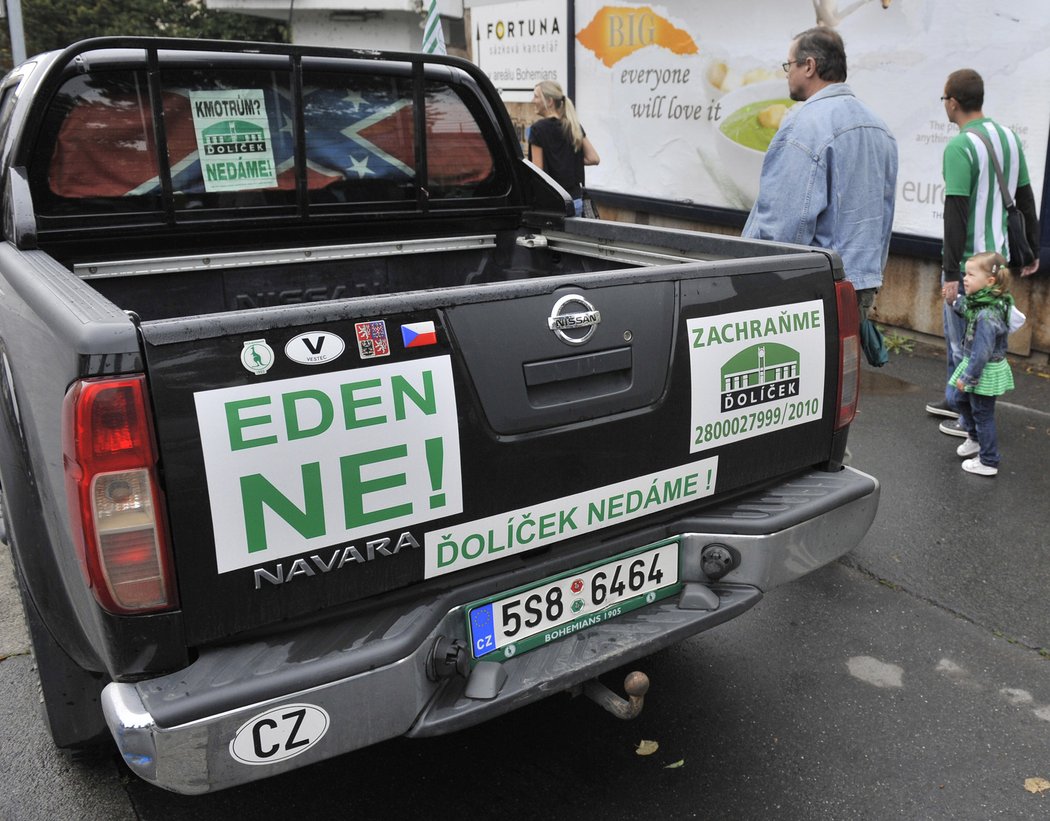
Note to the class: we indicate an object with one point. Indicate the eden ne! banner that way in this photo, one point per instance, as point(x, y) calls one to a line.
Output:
point(680, 99)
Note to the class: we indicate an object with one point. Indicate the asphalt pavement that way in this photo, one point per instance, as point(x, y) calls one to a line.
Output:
point(972, 545)
point(909, 680)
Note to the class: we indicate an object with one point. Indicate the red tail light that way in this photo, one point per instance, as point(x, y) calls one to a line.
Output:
point(849, 353)
point(115, 504)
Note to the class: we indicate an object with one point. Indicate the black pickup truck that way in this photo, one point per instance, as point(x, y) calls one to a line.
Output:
point(324, 422)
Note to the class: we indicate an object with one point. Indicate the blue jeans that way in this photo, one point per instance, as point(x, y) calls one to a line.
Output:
point(954, 328)
point(977, 415)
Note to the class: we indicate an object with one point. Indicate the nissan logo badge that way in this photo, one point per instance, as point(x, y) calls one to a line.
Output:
point(573, 327)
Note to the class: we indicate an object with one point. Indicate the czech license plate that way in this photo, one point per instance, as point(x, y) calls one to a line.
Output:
point(529, 617)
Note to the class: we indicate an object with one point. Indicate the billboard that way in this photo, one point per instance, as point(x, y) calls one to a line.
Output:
point(521, 44)
point(673, 95)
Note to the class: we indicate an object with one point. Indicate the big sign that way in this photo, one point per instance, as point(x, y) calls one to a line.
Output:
point(670, 93)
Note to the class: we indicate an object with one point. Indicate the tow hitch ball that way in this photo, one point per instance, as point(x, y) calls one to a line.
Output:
point(636, 685)
point(449, 657)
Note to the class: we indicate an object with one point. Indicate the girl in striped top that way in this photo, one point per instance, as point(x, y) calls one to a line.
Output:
point(984, 372)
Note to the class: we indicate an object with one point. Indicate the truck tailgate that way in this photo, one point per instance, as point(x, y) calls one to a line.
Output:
point(402, 444)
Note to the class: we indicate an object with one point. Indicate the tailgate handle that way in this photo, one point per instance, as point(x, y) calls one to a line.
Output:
point(577, 367)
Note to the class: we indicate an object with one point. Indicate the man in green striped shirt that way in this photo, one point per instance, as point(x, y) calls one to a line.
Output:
point(974, 216)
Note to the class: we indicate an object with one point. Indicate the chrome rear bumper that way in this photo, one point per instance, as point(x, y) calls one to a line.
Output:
point(249, 711)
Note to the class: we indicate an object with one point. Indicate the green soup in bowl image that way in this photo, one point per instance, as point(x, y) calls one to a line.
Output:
point(751, 116)
point(754, 125)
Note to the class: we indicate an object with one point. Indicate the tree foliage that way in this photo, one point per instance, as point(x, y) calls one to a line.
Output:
point(53, 24)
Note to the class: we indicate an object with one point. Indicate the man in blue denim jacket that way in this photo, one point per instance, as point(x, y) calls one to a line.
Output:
point(830, 174)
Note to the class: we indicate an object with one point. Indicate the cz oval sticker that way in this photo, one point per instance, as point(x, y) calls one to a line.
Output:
point(279, 734)
point(314, 348)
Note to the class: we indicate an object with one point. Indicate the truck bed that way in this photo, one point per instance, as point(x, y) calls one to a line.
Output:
point(207, 283)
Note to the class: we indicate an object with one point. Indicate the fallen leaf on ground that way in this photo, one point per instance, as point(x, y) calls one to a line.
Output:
point(679, 763)
point(647, 747)
point(1036, 785)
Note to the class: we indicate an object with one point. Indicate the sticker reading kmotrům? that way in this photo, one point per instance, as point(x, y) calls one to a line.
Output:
point(233, 139)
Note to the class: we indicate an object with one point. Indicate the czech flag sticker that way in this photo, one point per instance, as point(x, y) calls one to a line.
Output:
point(418, 334)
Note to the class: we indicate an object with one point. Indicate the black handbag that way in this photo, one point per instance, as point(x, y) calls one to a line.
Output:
point(1017, 239)
point(1021, 254)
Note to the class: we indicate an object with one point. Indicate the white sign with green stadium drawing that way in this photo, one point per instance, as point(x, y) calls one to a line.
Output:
point(753, 372)
point(233, 139)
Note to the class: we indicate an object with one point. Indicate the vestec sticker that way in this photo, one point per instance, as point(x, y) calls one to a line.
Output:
point(314, 348)
point(307, 463)
point(754, 372)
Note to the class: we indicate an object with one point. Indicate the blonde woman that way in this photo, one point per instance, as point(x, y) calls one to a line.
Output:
point(557, 142)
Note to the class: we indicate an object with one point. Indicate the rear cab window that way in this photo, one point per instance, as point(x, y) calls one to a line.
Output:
point(315, 141)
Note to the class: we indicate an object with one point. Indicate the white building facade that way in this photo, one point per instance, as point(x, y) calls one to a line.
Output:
point(390, 25)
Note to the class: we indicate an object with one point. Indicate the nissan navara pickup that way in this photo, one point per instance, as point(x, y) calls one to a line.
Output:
point(325, 422)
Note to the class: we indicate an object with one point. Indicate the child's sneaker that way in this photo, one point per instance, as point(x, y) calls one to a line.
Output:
point(971, 447)
point(975, 466)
